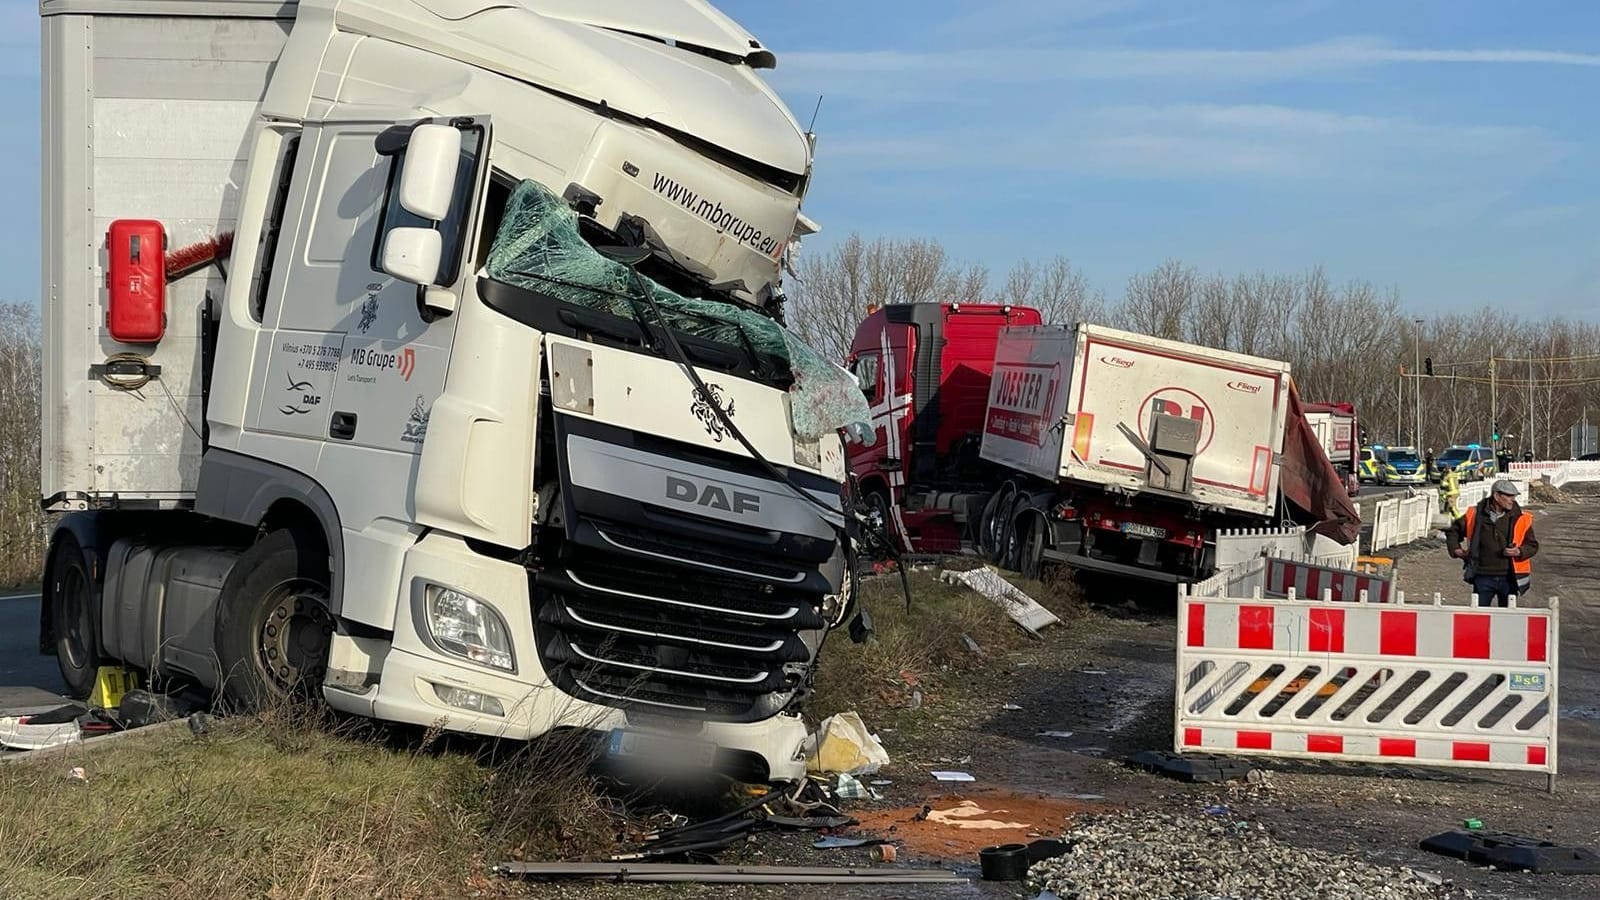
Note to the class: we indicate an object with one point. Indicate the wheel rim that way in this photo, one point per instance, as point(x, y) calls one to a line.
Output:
point(293, 638)
point(75, 600)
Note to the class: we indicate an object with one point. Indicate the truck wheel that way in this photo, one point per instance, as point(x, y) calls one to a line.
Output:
point(1033, 541)
point(877, 503)
point(273, 625)
point(988, 533)
point(1011, 533)
point(74, 615)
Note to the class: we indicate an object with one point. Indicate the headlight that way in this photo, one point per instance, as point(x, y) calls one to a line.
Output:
point(469, 628)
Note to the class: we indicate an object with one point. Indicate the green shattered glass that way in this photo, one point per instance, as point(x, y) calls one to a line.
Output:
point(538, 248)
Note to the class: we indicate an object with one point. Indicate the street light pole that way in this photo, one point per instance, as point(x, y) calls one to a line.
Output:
point(1416, 435)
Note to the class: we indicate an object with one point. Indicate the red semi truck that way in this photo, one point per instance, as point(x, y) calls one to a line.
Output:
point(1101, 449)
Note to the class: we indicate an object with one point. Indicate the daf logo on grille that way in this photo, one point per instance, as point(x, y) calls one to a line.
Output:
point(712, 496)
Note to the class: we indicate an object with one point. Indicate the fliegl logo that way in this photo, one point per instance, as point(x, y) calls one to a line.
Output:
point(1117, 362)
point(1244, 387)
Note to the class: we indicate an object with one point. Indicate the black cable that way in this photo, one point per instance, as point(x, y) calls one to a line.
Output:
point(772, 471)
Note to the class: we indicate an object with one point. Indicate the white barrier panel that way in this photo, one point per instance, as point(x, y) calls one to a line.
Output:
point(1385, 523)
point(1472, 495)
point(1238, 546)
point(1384, 683)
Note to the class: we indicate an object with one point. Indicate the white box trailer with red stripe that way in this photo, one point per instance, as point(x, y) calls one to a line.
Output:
point(1131, 450)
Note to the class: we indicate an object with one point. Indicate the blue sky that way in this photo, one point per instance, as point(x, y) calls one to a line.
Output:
point(1446, 147)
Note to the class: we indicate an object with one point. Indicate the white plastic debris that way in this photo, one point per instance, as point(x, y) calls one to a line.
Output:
point(843, 744)
point(16, 733)
point(78, 774)
point(953, 776)
point(1023, 609)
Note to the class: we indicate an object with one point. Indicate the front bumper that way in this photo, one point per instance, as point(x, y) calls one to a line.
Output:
point(404, 674)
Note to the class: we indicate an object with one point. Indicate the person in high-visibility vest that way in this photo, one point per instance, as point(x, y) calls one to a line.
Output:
point(1496, 540)
point(1449, 491)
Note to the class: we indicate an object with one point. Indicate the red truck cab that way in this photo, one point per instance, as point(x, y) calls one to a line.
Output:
point(925, 370)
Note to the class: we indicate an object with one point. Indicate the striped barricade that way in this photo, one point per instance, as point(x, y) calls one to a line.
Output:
point(1422, 684)
point(1288, 578)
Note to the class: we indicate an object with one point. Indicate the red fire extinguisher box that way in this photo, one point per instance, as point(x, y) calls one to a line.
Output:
point(136, 281)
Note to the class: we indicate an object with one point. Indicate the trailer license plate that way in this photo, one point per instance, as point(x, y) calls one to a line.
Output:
point(1144, 531)
point(661, 750)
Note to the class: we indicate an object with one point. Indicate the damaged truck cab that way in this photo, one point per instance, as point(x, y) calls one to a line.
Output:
point(423, 442)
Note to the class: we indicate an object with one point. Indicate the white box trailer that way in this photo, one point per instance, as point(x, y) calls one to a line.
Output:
point(1075, 405)
point(148, 110)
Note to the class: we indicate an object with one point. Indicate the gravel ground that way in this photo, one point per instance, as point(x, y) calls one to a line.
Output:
point(1161, 856)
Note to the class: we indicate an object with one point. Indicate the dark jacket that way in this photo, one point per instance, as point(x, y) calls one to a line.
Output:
point(1490, 539)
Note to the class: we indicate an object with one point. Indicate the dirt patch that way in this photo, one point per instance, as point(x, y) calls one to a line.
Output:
point(957, 826)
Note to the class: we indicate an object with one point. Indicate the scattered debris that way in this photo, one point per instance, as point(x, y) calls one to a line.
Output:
point(711, 874)
point(920, 835)
point(882, 782)
point(848, 787)
point(1091, 671)
point(1216, 810)
point(843, 744)
point(953, 776)
point(883, 853)
point(966, 815)
point(972, 645)
point(1200, 767)
point(1086, 796)
point(1010, 707)
point(1046, 848)
point(1006, 862)
point(1055, 734)
point(1473, 824)
point(1159, 855)
point(1023, 609)
point(29, 733)
point(1501, 850)
point(77, 773)
point(834, 842)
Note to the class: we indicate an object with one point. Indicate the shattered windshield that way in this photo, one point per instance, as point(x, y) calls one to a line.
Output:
point(539, 248)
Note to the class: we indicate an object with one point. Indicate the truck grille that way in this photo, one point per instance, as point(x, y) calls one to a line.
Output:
point(646, 626)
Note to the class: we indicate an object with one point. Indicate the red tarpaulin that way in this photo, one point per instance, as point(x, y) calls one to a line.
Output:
point(1314, 490)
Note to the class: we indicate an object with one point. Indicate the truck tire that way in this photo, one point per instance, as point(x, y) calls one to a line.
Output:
point(75, 617)
point(988, 534)
point(273, 626)
point(1034, 533)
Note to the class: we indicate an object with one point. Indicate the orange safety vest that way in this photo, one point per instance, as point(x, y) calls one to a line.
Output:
point(1519, 532)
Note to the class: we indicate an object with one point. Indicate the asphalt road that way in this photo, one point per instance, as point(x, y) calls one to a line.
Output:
point(27, 680)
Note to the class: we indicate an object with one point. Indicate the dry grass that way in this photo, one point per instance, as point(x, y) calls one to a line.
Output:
point(912, 651)
point(283, 806)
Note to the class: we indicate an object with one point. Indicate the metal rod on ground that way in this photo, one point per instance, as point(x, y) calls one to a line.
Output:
point(713, 874)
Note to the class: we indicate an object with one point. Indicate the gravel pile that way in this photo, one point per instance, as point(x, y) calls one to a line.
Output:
point(1156, 856)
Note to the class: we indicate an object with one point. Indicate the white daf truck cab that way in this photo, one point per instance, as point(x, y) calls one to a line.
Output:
point(427, 355)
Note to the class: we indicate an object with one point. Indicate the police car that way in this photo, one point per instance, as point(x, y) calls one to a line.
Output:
point(1399, 465)
point(1471, 462)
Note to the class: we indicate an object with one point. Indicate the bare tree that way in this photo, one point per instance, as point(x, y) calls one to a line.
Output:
point(21, 522)
point(1160, 302)
point(1059, 291)
point(835, 290)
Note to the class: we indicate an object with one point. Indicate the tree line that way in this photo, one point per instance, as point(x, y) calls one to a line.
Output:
point(1350, 341)
point(21, 522)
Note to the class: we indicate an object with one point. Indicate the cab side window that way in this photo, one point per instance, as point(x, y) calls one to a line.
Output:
point(866, 370)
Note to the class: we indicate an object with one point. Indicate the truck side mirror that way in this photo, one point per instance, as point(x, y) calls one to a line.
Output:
point(428, 176)
point(413, 254)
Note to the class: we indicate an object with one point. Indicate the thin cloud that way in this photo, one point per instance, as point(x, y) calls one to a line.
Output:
point(881, 72)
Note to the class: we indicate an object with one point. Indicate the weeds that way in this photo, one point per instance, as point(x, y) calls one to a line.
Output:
point(293, 802)
point(913, 650)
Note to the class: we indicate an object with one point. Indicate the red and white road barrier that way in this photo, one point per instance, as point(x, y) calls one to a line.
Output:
point(1375, 682)
point(1272, 578)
